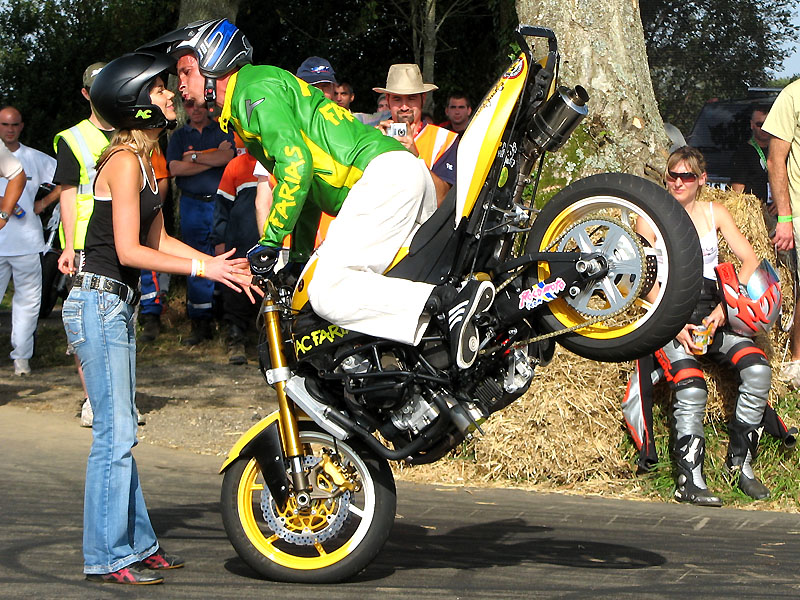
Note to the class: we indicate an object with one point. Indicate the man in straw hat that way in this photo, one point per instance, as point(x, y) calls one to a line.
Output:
point(405, 92)
point(323, 159)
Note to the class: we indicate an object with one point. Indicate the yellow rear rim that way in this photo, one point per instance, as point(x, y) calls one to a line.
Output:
point(608, 207)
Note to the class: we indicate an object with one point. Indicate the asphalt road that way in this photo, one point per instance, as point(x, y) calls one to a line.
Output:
point(446, 542)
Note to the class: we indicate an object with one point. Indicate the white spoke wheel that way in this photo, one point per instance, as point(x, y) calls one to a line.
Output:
point(332, 539)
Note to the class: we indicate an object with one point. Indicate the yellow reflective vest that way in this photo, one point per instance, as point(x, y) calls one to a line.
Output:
point(87, 142)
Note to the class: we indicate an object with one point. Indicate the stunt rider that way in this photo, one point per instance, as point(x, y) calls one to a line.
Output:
point(324, 160)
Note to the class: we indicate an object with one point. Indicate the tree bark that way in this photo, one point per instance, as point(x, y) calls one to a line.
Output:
point(196, 10)
point(602, 47)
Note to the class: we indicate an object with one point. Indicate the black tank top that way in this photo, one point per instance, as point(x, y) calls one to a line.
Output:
point(100, 253)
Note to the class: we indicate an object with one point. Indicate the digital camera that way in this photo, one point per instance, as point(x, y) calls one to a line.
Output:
point(398, 129)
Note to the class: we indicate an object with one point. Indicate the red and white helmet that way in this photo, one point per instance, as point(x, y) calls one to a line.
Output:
point(753, 308)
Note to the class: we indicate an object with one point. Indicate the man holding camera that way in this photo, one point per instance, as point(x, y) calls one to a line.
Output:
point(405, 91)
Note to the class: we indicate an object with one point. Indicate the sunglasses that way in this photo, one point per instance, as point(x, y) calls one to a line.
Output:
point(684, 177)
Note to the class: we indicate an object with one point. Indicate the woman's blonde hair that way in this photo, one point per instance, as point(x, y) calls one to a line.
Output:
point(135, 139)
point(692, 156)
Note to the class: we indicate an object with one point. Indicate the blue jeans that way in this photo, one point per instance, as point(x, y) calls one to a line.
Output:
point(116, 527)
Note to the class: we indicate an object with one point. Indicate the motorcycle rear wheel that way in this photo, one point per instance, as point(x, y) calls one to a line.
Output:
point(599, 214)
point(352, 529)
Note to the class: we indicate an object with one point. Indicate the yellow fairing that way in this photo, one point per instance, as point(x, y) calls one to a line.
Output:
point(480, 142)
point(562, 311)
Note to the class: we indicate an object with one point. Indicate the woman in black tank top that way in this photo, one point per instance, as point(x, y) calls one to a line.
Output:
point(126, 234)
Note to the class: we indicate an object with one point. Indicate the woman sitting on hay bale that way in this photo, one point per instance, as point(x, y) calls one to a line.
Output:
point(685, 178)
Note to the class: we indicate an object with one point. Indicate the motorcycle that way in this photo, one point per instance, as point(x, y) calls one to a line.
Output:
point(308, 495)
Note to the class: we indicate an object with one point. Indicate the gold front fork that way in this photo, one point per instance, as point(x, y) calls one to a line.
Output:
point(290, 434)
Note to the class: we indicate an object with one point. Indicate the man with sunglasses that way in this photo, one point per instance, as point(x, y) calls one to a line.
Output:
point(750, 166)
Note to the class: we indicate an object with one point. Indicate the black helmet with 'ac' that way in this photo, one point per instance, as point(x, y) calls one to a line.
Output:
point(121, 91)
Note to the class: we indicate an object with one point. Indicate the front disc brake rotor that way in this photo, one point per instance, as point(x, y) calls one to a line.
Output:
point(313, 524)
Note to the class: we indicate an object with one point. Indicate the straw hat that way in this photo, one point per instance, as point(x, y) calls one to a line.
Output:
point(405, 79)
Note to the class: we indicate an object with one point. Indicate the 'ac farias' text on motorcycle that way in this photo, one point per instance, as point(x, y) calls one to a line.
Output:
point(308, 495)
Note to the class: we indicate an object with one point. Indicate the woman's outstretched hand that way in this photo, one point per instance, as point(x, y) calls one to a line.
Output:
point(233, 272)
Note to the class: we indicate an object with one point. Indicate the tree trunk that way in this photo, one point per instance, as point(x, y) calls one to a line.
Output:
point(602, 48)
point(196, 10)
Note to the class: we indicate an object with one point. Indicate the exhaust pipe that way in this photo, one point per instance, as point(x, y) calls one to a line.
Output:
point(558, 117)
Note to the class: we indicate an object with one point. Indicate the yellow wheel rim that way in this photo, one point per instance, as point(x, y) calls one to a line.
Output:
point(606, 207)
point(281, 552)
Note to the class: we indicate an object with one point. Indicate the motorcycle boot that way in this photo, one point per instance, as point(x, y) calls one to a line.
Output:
point(742, 451)
point(690, 454)
point(459, 308)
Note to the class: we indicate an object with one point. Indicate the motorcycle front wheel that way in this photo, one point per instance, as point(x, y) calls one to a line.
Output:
point(331, 540)
point(599, 214)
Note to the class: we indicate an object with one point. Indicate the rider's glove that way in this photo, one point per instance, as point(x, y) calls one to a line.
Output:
point(262, 261)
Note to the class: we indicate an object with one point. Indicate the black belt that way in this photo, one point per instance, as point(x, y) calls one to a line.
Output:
point(206, 198)
point(93, 281)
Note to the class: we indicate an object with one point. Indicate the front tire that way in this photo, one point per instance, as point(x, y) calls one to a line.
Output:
point(333, 539)
point(599, 214)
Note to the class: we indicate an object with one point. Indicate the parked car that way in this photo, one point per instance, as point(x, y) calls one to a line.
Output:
point(722, 126)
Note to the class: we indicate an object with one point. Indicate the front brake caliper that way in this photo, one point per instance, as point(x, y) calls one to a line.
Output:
point(335, 472)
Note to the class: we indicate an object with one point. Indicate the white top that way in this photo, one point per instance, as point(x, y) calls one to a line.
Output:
point(9, 165)
point(23, 235)
point(709, 244)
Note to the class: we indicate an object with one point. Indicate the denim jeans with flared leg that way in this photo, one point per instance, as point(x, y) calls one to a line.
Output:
point(116, 527)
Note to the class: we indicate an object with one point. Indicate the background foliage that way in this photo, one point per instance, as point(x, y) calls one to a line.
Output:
point(698, 49)
point(701, 49)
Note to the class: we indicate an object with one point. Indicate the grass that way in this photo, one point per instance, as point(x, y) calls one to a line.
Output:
point(777, 467)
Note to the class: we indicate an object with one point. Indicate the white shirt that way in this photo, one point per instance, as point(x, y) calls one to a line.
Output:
point(23, 235)
point(9, 165)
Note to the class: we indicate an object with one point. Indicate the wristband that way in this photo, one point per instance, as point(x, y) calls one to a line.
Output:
point(201, 268)
point(195, 264)
point(784, 218)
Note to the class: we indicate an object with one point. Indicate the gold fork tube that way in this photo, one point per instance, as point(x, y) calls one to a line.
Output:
point(290, 434)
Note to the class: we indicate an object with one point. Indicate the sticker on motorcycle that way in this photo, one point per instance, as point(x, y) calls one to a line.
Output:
point(540, 293)
point(514, 70)
point(316, 338)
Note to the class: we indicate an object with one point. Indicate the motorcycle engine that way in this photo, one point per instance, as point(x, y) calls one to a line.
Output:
point(415, 415)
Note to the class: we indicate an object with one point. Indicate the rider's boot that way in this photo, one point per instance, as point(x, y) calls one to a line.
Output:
point(459, 307)
point(742, 451)
point(690, 453)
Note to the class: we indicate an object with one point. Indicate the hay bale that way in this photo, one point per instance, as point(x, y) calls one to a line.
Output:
point(567, 432)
